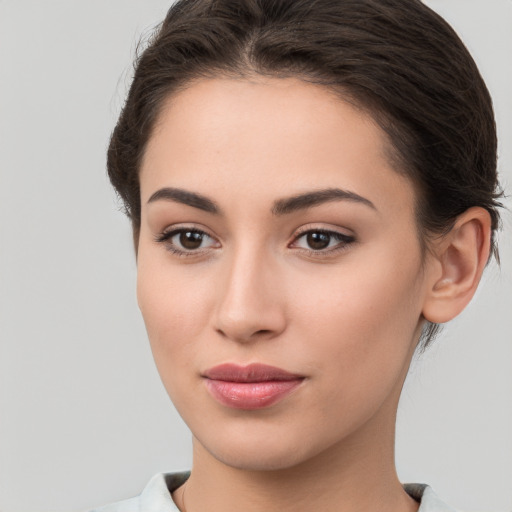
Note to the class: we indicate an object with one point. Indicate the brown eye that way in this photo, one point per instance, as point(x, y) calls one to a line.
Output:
point(317, 240)
point(191, 240)
point(187, 241)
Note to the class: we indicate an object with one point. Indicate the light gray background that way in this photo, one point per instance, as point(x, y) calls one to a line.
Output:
point(84, 419)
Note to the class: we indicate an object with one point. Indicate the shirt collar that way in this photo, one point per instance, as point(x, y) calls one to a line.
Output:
point(156, 496)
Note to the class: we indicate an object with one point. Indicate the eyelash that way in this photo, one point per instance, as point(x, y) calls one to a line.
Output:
point(344, 241)
point(167, 236)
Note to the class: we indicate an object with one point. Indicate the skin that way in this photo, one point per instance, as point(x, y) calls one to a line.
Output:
point(347, 318)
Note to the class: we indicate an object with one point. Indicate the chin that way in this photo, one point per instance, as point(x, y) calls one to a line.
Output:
point(259, 460)
point(260, 452)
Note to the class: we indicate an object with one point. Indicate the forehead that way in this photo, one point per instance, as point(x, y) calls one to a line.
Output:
point(268, 135)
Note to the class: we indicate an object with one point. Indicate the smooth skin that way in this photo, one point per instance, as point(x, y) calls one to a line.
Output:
point(336, 290)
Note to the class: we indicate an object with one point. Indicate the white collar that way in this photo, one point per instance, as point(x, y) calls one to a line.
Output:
point(156, 496)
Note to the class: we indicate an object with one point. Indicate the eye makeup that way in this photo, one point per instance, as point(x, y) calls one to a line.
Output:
point(318, 242)
point(186, 241)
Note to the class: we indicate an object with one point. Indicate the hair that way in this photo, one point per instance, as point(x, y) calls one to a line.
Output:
point(396, 59)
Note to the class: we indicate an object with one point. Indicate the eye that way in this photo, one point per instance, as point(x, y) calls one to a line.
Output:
point(186, 241)
point(322, 241)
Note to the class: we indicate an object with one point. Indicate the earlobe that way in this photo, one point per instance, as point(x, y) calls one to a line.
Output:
point(460, 258)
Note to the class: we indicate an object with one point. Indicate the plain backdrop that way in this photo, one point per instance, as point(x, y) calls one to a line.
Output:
point(84, 419)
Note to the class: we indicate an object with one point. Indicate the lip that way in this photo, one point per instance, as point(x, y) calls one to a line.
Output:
point(254, 386)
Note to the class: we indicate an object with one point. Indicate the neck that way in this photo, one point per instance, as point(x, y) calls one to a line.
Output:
point(358, 474)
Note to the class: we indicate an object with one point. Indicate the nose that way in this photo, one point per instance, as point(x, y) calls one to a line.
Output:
point(251, 304)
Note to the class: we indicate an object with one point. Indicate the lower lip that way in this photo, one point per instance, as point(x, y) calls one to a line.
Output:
point(251, 395)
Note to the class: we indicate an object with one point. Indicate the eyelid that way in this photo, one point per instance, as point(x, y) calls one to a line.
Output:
point(323, 228)
point(173, 228)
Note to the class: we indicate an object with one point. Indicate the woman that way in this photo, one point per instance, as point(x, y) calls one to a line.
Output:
point(312, 189)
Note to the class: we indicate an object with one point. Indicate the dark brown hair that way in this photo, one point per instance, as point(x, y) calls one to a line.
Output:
point(397, 59)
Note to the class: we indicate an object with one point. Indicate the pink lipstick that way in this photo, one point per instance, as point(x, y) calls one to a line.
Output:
point(250, 387)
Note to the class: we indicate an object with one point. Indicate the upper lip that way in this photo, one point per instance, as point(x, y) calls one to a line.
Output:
point(255, 372)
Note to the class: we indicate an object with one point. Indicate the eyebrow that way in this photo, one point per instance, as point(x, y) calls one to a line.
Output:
point(280, 207)
point(179, 195)
point(317, 197)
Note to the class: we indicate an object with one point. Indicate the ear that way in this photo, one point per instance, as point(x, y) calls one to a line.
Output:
point(459, 258)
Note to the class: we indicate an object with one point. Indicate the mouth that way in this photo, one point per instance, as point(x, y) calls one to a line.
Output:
point(250, 387)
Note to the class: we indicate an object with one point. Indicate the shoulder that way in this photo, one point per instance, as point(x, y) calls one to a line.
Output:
point(155, 496)
point(429, 501)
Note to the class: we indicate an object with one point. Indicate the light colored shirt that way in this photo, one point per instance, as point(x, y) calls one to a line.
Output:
point(156, 496)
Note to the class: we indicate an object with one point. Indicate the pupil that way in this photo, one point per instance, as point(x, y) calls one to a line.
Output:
point(191, 239)
point(318, 240)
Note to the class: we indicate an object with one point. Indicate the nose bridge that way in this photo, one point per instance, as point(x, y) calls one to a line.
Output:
point(250, 305)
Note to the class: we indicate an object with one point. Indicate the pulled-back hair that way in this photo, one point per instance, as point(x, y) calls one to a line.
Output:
point(396, 59)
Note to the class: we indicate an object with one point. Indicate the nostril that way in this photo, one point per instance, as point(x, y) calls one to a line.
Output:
point(222, 333)
point(262, 332)
point(245, 335)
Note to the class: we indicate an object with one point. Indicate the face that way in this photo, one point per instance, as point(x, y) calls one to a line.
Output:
point(279, 269)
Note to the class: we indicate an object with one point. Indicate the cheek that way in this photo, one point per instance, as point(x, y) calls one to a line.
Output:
point(364, 315)
point(175, 307)
point(363, 331)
